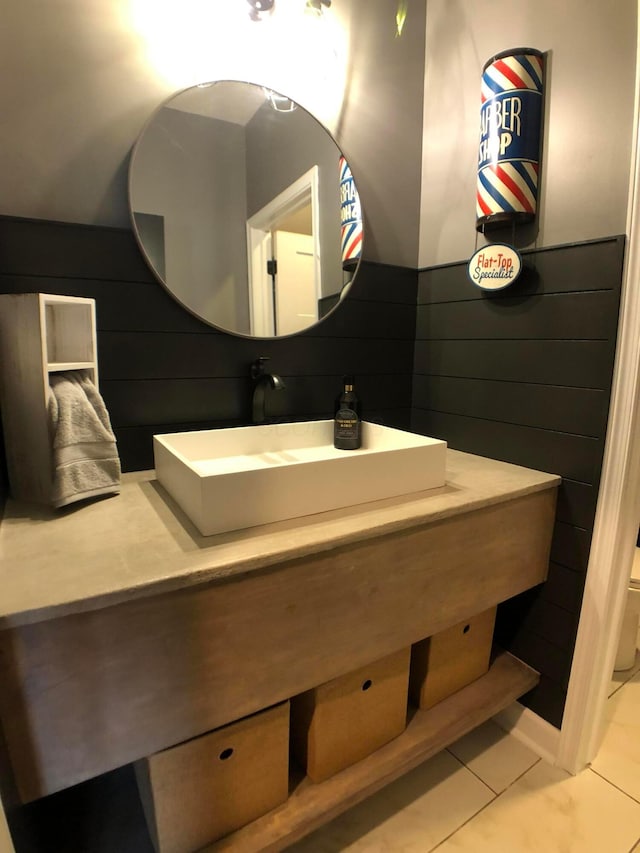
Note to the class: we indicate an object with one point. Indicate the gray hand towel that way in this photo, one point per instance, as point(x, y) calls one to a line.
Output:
point(85, 458)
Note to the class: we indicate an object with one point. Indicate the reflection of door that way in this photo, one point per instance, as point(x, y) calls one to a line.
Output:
point(294, 209)
point(260, 283)
point(295, 293)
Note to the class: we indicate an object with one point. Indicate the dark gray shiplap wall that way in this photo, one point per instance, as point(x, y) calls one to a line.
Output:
point(524, 375)
point(162, 370)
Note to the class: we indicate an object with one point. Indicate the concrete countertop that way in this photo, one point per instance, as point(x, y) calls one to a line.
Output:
point(139, 543)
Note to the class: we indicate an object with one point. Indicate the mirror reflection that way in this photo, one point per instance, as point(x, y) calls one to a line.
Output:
point(245, 209)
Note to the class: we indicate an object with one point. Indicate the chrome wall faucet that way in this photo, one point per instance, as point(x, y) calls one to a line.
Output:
point(261, 381)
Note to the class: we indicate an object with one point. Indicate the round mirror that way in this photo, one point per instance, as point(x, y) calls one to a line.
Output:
point(245, 209)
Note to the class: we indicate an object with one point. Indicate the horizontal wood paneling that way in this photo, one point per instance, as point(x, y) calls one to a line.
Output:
point(586, 315)
point(524, 375)
point(547, 699)
point(536, 614)
point(570, 456)
point(577, 503)
point(139, 402)
point(593, 268)
point(364, 319)
point(169, 355)
point(563, 587)
point(385, 283)
point(550, 660)
point(59, 250)
point(570, 363)
point(581, 411)
point(148, 305)
point(570, 546)
point(160, 367)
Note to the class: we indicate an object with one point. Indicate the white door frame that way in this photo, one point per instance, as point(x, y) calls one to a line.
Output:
point(617, 515)
point(261, 308)
point(296, 195)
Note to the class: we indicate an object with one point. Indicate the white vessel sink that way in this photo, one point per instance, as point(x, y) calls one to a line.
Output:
point(229, 479)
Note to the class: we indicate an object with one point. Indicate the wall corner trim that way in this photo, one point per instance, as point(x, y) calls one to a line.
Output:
point(531, 730)
point(618, 510)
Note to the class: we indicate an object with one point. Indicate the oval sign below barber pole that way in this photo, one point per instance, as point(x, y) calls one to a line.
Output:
point(494, 267)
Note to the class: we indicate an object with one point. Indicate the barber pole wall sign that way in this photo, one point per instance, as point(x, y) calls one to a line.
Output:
point(350, 217)
point(509, 153)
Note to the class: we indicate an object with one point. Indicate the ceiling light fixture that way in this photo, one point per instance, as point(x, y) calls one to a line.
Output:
point(315, 6)
point(260, 9)
point(280, 103)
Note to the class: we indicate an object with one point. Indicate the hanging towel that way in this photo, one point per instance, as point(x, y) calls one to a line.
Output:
point(85, 458)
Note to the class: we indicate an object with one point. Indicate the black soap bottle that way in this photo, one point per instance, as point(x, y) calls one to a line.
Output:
point(347, 425)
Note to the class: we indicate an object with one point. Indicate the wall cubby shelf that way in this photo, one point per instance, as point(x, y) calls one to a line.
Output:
point(40, 334)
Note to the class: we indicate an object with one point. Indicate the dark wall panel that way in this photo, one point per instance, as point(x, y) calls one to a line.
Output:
point(593, 267)
point(166, 355)
point(580, 411)
point(568, 363)
point(585, 315)
point(161, 369)
point(575, 457)
point(576, 504)
point(524, 375)
point(43, 248)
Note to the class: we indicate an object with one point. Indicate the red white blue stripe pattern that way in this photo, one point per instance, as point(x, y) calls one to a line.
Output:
point(507, 187)
point(350, 215)
point(351, 241)
point(508, 166)
point(523, 71)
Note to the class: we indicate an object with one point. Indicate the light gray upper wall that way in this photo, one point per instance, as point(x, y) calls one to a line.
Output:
point(204, 210)
point(380, 130)
point(281, 147)
point(81, 77)
point(586, 157)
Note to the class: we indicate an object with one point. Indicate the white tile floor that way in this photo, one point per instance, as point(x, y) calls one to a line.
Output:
point(488, 793)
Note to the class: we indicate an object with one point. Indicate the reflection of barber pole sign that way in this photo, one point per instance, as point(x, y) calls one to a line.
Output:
point(509, 155)
point(350, 216)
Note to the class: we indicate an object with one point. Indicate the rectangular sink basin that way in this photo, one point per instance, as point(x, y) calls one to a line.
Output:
point(229, 479)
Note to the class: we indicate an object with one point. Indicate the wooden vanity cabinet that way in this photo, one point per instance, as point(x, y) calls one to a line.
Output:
point(90, 691)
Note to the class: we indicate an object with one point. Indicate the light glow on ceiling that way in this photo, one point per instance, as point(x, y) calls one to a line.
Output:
point(290, 51)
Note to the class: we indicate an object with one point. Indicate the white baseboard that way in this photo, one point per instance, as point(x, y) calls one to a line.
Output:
point(531, 730)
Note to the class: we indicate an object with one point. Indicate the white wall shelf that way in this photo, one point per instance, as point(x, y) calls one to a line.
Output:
point(58, 366)
point(40, 334)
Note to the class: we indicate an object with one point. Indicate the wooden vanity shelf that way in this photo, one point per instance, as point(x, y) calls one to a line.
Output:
point(310, 805)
